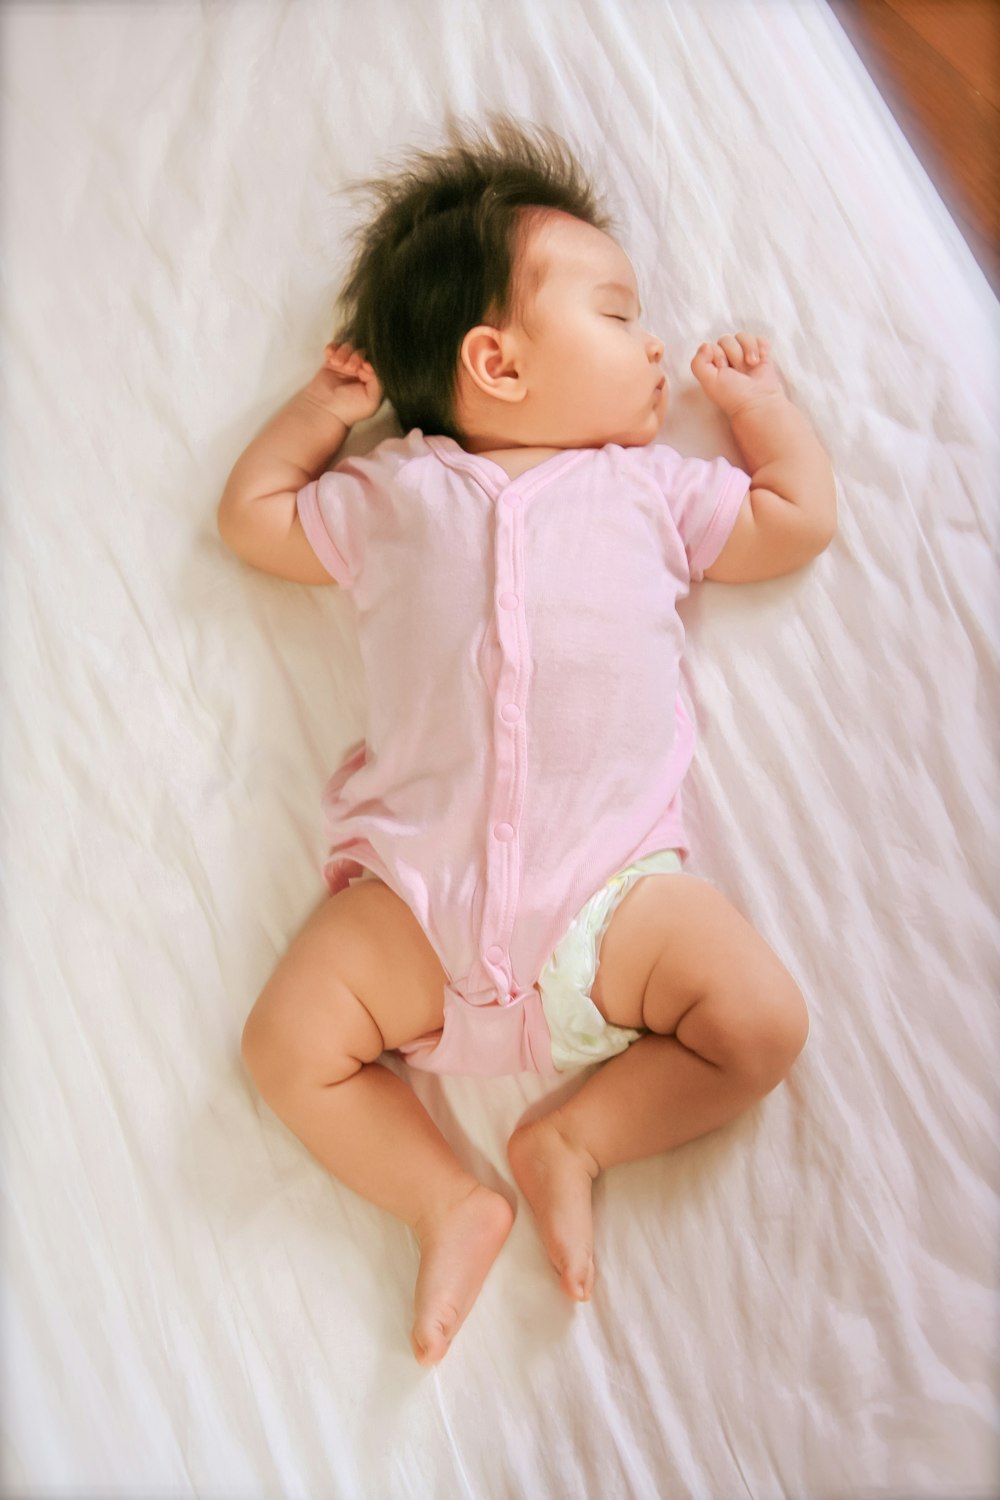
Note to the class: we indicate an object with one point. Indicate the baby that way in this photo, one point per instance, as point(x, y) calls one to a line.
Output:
point(506, 844)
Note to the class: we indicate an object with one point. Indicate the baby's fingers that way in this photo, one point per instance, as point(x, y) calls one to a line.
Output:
point(742, 350)
point(755, 350)
point(708, 360)
point(344, 359)
point(723, 355)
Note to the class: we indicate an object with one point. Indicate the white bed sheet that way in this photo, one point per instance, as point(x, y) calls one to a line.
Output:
point(800, 1305)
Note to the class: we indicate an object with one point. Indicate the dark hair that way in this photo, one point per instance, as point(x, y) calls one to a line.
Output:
point(442, 254)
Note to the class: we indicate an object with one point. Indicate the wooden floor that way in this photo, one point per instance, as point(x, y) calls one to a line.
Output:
point(937, 65)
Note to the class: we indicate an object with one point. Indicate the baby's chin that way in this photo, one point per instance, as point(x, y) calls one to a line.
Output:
point(641, 435)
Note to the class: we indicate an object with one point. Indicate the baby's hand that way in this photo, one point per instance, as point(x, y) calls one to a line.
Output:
point(347, 385)
point(736, 371)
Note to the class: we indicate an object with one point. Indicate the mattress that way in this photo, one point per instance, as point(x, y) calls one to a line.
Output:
point(802, 1304)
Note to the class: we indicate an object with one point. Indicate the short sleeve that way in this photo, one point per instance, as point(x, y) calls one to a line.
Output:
point(335, 511)
point(704, 497)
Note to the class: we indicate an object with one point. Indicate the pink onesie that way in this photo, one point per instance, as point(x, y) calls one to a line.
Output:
point(525, 737)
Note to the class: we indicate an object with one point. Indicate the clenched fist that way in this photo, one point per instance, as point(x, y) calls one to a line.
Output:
point(347, 385)
point(736, 371)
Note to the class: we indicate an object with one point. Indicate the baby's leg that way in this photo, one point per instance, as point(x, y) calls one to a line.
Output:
point(361, 978)
point(728, 1022)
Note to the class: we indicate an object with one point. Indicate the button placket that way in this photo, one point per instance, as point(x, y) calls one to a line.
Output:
point(502, 852)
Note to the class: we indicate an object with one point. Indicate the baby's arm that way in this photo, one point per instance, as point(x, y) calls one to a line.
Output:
point(790, 514)
point(257, 516)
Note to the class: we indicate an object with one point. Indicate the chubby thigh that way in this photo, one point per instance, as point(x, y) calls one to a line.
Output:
point(678, 958)
point(360, 978)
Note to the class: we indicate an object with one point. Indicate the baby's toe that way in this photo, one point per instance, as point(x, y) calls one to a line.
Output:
point(432, 1336)
point(576, 1276)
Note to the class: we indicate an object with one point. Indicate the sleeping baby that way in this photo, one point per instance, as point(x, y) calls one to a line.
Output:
point(506, 886)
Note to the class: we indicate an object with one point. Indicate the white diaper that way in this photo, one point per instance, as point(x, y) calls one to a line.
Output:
point(580, 1034)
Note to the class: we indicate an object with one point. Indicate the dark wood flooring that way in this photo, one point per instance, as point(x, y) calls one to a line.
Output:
point(937, 65)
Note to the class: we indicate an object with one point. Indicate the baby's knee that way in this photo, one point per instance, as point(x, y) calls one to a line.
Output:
point(778, 1033)
point(260, 1045)
point(271, 1046)
point(755, 1030)
point(295, 1040)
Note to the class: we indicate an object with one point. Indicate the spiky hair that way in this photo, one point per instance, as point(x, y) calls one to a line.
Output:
point(443, 253)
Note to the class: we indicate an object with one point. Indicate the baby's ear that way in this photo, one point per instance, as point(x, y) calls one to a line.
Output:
point(490, 363)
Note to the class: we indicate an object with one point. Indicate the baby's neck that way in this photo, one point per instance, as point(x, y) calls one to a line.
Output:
point(516, 461)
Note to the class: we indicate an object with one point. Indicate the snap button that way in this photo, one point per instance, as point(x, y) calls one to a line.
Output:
point(494, 953)
point(511, 497)
point(508, 601)
point(503, 832)
point(510, 713)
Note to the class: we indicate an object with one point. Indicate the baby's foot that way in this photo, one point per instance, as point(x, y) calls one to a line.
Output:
point(457, 1248)
point(556, 1177)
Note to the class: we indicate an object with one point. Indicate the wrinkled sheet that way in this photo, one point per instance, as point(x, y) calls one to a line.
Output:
point(802, 1304)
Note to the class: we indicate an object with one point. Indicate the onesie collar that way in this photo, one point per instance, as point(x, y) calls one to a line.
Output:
point(494, 479)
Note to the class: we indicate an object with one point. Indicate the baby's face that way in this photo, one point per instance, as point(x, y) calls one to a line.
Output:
point(592, 371)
